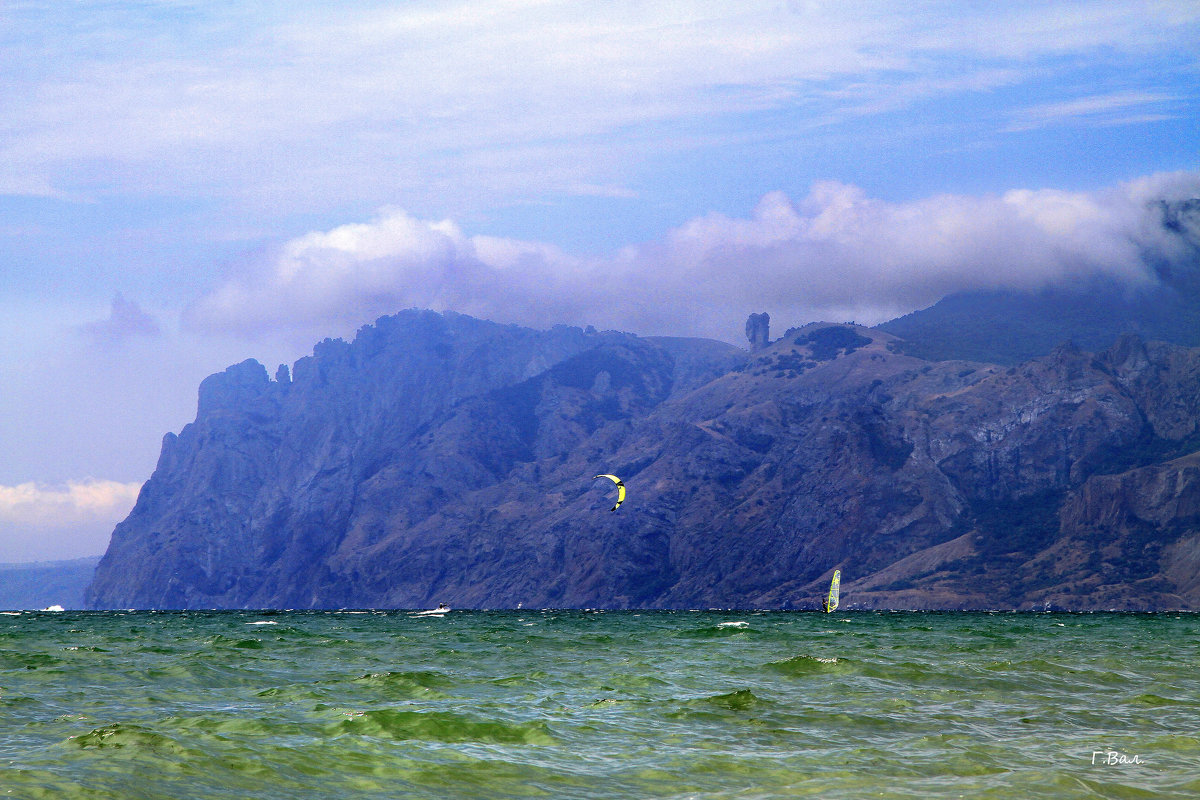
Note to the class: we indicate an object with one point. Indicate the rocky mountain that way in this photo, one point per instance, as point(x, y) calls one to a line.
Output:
point(443, 458)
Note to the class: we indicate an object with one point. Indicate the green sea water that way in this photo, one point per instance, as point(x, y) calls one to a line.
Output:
point(551, 704)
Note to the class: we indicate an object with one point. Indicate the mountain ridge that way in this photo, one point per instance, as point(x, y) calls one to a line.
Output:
point(441, 458)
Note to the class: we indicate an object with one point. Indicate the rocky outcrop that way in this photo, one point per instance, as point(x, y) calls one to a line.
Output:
point(441, 458)
point(758, 330)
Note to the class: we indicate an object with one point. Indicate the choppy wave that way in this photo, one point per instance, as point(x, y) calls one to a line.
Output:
point(598, 705)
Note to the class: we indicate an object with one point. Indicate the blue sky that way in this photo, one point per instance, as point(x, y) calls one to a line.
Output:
point(185, 184)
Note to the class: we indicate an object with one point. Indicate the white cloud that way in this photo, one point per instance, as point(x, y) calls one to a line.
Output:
point(48, 522)
point(1115, 108)
point(835, 254)
point(327, 101)
point(354, 272)
point(1026, 30)
point(35, 504)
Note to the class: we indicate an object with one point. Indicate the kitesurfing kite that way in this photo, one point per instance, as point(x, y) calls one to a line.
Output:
point(620, 488)
point(835, 590)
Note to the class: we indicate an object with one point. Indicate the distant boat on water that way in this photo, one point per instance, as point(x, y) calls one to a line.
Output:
point(440, 611)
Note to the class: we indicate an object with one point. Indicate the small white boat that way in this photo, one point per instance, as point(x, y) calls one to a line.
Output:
point(55, 607)
point(440, 611)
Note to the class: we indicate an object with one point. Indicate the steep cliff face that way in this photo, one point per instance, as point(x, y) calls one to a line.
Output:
point(253, 503)
point(440, 458)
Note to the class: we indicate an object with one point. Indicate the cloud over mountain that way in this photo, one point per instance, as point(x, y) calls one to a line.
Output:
point(834, 254)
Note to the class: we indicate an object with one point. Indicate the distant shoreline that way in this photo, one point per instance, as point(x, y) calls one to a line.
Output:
point(35, 585)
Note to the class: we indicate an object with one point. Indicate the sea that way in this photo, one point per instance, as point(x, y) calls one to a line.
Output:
point(598, 704)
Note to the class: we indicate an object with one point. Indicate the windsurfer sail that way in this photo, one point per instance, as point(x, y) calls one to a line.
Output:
point(835, 590)
point(620, 488)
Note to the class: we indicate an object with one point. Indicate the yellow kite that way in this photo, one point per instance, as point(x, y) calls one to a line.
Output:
point(620, 488)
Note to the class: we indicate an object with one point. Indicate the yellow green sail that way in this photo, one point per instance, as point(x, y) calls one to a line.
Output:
point(835, 591)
